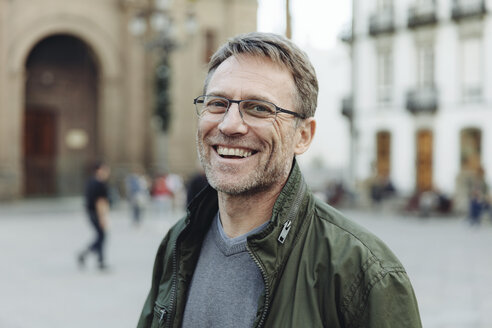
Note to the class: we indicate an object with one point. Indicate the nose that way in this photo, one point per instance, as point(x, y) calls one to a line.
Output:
point(232, 122)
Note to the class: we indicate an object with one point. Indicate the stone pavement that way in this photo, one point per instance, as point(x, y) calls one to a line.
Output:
point(448, 262)
point(40, 283)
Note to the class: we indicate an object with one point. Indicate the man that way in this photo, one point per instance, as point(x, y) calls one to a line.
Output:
point(256, 248)
point(97, 206)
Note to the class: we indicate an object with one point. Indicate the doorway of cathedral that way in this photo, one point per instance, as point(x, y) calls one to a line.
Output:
point(60, 118)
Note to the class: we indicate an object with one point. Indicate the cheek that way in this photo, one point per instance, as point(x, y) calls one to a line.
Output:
point(283, 135)
point(204, 128)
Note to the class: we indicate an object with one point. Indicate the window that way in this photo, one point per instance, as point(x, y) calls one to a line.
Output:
point(471, 69)
point(425, 66)
point(384, 75)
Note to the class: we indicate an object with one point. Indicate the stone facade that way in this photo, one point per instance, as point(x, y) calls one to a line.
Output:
point(109, 112)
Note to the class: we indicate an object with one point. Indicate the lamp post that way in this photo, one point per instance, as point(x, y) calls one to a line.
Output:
point(154, 23)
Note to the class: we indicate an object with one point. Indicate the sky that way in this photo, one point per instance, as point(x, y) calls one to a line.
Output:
point(314, 22)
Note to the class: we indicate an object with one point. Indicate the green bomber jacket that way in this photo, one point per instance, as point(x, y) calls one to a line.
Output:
point(319, 268)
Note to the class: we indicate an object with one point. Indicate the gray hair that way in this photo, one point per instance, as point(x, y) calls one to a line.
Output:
point(281, 51)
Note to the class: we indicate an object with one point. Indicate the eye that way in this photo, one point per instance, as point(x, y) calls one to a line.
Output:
point(258, 108)
point(216, 105)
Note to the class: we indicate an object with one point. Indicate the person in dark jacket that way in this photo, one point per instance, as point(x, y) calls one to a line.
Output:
point(196, 184)
point(256, 248)
point(97, 207)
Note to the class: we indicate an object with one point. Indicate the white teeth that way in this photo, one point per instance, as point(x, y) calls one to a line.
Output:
point(233, 152)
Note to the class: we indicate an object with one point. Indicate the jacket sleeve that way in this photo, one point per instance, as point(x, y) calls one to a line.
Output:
point(147, 313)
point(390, 302)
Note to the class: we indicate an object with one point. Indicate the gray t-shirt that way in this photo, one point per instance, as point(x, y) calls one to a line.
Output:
point(227, 283)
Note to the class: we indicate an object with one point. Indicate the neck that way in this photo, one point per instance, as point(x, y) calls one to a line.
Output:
point(240, 214)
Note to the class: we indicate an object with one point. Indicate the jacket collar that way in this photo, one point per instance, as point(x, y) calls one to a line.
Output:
point(287, 219)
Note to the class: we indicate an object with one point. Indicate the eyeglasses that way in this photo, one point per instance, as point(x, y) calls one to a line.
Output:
point(253, 112)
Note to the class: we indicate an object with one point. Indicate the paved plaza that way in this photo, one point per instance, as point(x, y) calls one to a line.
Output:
point(41, 286)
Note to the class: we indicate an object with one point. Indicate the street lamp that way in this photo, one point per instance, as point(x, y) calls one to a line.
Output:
point(153, 22)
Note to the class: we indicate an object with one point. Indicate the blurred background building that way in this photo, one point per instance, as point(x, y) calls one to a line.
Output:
point(103, 79)
point(420, 106)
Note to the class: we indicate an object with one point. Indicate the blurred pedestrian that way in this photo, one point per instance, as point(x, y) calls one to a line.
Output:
point(137, 189)
point(97, 207)
point(196, 184)
point(428, 202)
point(176, 186)
point(478, 197)
point(162, 195)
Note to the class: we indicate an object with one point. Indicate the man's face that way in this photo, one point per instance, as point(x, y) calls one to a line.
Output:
point(238, 158)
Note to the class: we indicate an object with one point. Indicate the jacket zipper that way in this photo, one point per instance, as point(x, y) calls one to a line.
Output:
point(174, 283)
point(162, 313)
point(281, 239)
point(174, 286)
point(285, 231)
point(267, 289)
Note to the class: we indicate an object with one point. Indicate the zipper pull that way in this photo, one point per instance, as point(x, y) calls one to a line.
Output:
point(285, 231)
point(163, 313)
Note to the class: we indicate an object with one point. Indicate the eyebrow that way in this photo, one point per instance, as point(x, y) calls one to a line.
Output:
point(251, 97)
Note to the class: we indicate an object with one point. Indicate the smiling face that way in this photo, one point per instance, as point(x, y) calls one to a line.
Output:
point(238, 158)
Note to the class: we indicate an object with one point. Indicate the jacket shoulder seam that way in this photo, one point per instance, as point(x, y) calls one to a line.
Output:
point(367, 290)
point(357, 282)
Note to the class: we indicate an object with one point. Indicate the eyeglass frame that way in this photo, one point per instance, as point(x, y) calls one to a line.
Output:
point(238, 102)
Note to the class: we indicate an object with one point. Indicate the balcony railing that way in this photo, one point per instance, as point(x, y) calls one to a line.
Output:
point(468, 8)
point(422, 14)
point(422, 100)
point(382, 22)
point(348, 107)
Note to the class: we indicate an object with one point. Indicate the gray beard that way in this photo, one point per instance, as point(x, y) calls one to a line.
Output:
point(258, 181)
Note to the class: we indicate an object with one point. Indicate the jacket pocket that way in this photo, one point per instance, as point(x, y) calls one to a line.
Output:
point(161, 315)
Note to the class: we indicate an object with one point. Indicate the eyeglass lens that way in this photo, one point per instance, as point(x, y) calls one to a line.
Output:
point(253, 112)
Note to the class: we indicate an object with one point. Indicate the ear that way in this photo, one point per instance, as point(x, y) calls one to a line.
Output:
point(304, 135)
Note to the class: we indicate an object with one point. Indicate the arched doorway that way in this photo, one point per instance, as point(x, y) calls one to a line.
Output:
point(60, 121)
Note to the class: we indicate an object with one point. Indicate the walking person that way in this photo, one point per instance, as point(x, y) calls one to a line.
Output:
point(137, 189)
point(478, 198)
point(256, 248)
point(97, 207)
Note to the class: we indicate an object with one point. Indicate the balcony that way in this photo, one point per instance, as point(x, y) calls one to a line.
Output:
point(382, 22)
point(422, 100)
point(422, 14)
point(468, 8)
point(348, 107)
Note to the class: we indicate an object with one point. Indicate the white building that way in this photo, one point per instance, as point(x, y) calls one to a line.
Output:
point(421, 100)
point(327, 157)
